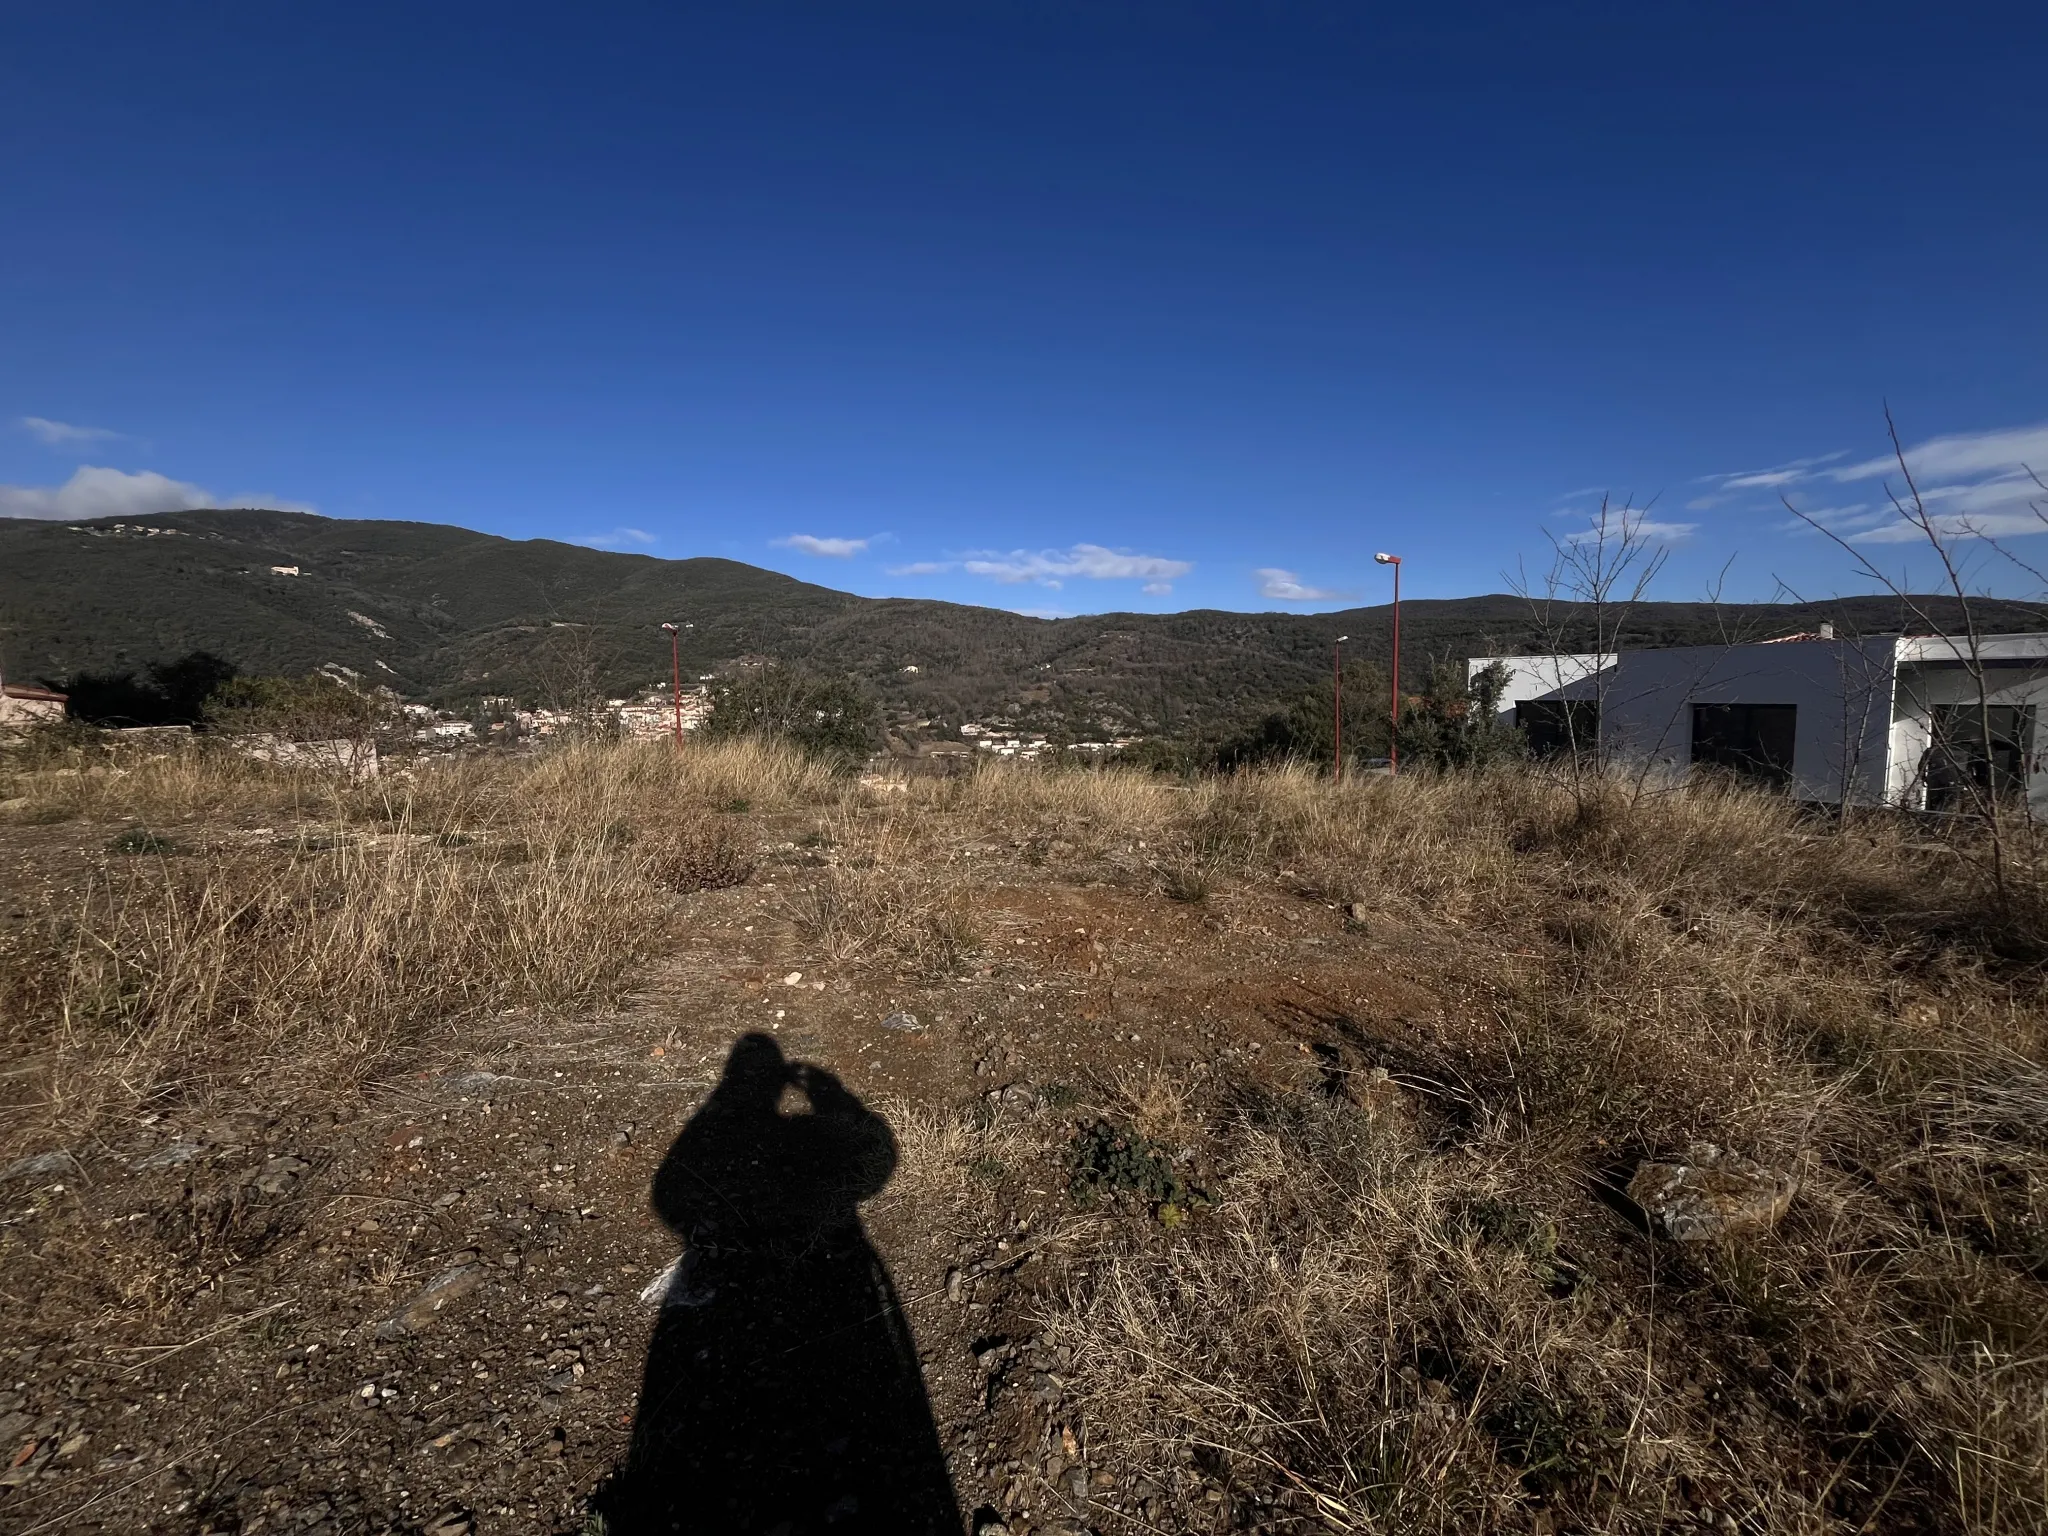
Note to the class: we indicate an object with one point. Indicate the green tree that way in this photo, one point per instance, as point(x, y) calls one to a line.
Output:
point(175, 694)
point(830, 717)
point(315, 707)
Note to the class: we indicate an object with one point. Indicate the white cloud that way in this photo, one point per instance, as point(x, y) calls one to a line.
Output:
point(1287, 587)
point(1052, 568)
point(97, 492)
point(1092, 562)
point(1972, 485)
point(811, 544)
point(61, 434)
point(618, 538)
point(1965, 454)
point(1648, 530)
point(1042, 613)
point(1770, 479)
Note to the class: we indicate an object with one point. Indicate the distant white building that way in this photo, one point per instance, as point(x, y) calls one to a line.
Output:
point(1890, 720)
point(653, 717)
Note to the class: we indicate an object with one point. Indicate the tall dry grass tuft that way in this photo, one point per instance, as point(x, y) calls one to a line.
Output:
point(376, 914)
point(882, 897)
point(1424, 1318)
point(166, 974)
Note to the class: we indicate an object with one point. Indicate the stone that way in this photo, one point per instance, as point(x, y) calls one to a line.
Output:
point(280, 1174)
point(902, 1021)
point(453, 1283)
point(170, 1156)
point(44, 1165)
point(1015, 1102)
point(1712, 1193)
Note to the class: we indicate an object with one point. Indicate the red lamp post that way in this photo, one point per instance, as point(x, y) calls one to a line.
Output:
point(1394, 713)
point(1337, 659)
point(675, 664)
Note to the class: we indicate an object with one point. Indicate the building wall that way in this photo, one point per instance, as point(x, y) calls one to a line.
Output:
point(1924, 683)
point(1541, 677)
point(1842, 690)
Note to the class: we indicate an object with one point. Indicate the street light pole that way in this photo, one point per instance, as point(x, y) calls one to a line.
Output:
point(675, 664)
point(1337, 654)
point(1394, 711)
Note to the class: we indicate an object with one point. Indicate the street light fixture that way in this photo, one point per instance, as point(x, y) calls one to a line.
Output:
point(1394, 711)
point(675, 663)
point(1337, 656)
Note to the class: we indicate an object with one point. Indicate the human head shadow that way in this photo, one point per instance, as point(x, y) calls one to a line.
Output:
point(782, 1392)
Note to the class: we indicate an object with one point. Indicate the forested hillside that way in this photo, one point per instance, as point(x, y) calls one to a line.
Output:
point(449, 615)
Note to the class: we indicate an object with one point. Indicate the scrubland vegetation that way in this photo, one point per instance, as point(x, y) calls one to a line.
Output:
point(1414, 1295)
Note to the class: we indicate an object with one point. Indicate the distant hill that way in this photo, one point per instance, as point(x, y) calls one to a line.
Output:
point(450, 616)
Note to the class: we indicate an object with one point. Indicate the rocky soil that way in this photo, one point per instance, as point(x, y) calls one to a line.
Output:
point(423, 1306)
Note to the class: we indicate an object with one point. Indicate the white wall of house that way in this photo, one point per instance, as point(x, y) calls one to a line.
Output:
point(1934, 671)
point(1540, 677)
point(1864, 706)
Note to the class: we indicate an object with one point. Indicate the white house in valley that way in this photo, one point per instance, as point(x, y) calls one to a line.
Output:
point(1887, 720)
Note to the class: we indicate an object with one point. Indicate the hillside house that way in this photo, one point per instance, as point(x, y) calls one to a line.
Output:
point(1887, 720)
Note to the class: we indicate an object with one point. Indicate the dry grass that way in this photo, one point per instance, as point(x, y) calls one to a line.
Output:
point(1394, 1316)
point(1411, 1320)
point(881, 896)
point(367, 918)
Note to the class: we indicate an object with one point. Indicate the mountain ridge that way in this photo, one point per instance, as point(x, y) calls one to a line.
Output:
point(449, 615)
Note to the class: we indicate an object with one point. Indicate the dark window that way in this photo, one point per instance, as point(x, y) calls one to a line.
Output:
point(1963, 768)
point(1751, 741)
point(1556, 727)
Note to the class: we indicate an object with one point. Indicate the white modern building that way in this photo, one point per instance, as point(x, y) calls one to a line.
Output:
point(1888, 720)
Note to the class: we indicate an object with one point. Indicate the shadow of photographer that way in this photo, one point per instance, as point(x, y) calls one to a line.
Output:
point(782, 1393)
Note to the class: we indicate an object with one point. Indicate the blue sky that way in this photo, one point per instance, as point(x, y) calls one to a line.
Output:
point(1060, 307)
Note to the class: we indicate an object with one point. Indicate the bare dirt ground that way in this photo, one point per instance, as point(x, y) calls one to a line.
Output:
point(1393, 1283)
point(203, 1335)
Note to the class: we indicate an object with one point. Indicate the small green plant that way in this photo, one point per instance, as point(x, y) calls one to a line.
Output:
point(1506, 1224)
point(989, 1170)
point(738, 805)
point(141, 840)
point(1556, 1444)
point(1107, 1159)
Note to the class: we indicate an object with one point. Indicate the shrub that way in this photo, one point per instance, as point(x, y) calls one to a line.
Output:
point(829, 718)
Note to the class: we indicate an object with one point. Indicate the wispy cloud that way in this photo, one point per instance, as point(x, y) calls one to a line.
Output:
point(1972, 484)
point(1790, 473)
point(63, 434)
point(1054, 567)
point(811, 544)
point(98, 492)
point(1649, 530)
point(1089, 562)
point(1042, 613)
point(1968, 454)
point(618, 538)
point(1287, 587)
